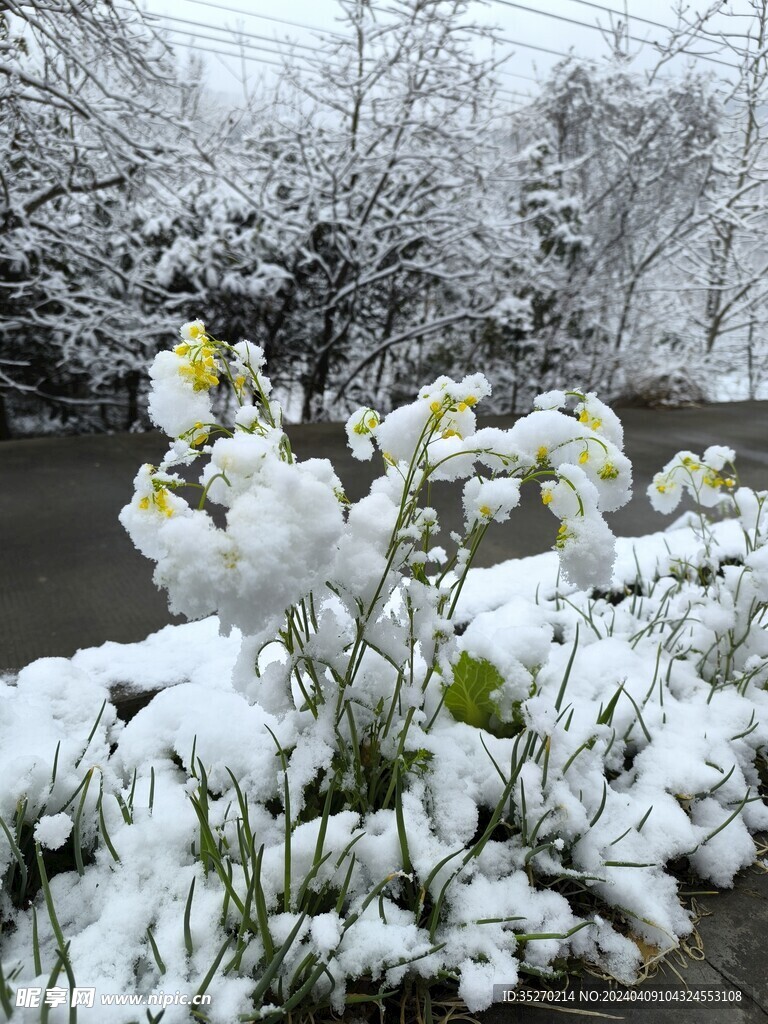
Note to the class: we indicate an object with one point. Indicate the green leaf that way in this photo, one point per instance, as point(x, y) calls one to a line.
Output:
point(468, 696)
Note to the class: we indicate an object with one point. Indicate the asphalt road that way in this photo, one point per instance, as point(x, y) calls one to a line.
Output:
point(70, 577)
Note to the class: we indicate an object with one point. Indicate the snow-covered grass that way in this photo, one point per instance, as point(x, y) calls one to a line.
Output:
point(420, 772)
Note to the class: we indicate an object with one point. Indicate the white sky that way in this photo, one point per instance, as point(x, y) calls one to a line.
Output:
point(535, 26)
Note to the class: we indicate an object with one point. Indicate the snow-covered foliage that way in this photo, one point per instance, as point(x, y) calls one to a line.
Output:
point(389, 765)
point(94, 124)
point(614, 181)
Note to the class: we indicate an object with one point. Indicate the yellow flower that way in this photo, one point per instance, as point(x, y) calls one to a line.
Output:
point(584, 416)
point(193, 331)
point(542, 454)
point(546, 497)
point(596, 424)
point(144, 503)
point(470, 400)
point(608, 471)
point(435, 407)
point(199, 374)
point(584, 457)
point(451, 433)
point(485, 511)
point(661, 488)
point(182, 350)
point(367, 422)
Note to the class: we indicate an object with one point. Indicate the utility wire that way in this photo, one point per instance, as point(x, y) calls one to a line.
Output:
point(597, 28)
point(238, 56)
point(273, 63)
point(620, 14)
point(506, 3)
point(232, 41)
point(533, 46)
point(236, 35)
point(340, 35)
point(232, 32)
point(267, 17)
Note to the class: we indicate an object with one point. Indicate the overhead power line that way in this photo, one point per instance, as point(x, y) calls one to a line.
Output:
point(324, 32)
point(533, 46)
point(267, 17)
point(227, 53)
point(340, 35)
point(240, 55)
point(597, 28)
point(234, 32)
point(620, 14)
point(236, 36)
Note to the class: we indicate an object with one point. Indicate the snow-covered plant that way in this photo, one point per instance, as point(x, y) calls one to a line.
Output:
point(346, 611)
point(350, 582)
point(722, 589)
point(52, 814)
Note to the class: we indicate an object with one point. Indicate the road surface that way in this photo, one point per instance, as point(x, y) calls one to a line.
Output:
point(71, 578)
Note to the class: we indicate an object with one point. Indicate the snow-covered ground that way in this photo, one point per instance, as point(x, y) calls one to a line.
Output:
point(613, 789)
